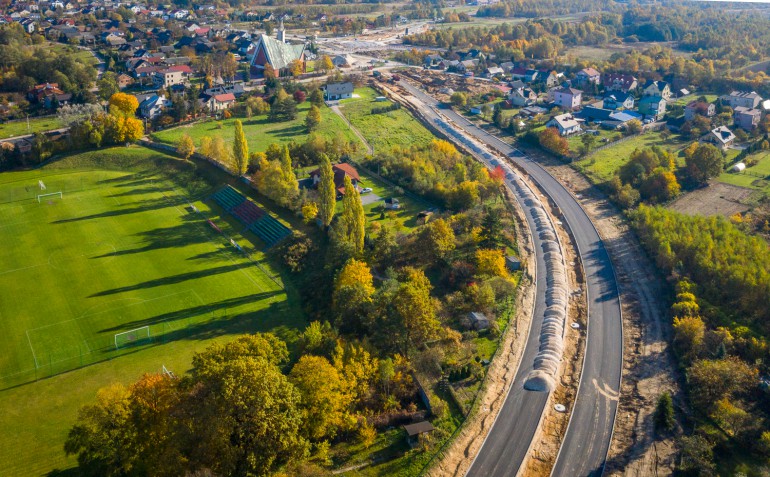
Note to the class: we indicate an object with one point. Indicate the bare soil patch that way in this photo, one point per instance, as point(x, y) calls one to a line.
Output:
point(716, 199)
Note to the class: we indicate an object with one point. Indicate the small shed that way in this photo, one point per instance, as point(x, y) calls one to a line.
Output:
point(479, 321)
point(391, 203)
point(414, 431)
point(513, 263)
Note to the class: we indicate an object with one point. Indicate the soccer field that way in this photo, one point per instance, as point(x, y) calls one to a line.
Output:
point(118, 251)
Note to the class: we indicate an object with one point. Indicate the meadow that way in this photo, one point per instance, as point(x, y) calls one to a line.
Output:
point(120, 250)
point(260, 132)
point(383, 131)
point(756, 177)
point(21, 128)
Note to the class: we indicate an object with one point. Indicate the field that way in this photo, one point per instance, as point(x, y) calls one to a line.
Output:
point(119, 251)
point(756, 177)
point(600, 166)
point(260, 132)
point(383, 131)
point(19, 128)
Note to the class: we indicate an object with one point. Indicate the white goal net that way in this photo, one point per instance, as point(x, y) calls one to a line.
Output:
point(130, 337)
point(42, 196)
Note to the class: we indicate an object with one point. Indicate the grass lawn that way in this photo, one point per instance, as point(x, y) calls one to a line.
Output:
point(692, 97)
point(119, 251)
point(260, 132)
point(19, 128)
point(756, 177)
point(600, 166)
point(576, 141)
point(383, 131)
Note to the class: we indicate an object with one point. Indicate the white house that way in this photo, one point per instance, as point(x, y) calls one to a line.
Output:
point(568, 98)
point(721, 137)
point(335, 91)
point(153, 106)
point(566, 124)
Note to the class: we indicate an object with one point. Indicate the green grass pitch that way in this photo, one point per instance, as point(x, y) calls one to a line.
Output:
point(120, 250)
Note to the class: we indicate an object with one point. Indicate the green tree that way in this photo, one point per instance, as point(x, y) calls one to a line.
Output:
point(240, 149)
point(352, 295)
point(714, 380)
point(108, 85)
point(327, 195)
point(704, 163)
point(588, 140)
point(313, 118)
point(696, 456)
point(316, 97)
point(415, 312)
point(459, 99)
point(289, 178)
point(664, 413)
point(352, 221)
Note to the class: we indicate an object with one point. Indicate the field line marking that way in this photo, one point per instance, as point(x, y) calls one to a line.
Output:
point(4, 272)
point(86, 314)
point(32, 349)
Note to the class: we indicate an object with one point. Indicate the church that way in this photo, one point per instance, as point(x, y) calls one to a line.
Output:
point(277, 53)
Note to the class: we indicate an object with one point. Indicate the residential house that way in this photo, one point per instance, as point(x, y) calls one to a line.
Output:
point(432, 61)
point(652, 107)
point(494, 71)
point(658, 88)
point(551, 79)
point(722, 137)
point(619, 82)
point(153, 106)
point(220, 102)
point(48, 94)
point(171, 76)
point(478, 321)
point(567, 98)
point(566, 124)
point(618, 100)
point(340, 171)
point(340, 61)
point(414, 431)
point(701, 108)
point(124, 81)
point(337, 91)
point(522, 97)
point(526, 75)
point(740, 98)
point(587, 77)
point(747, 118)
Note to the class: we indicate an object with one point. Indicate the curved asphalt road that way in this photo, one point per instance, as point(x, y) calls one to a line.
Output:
point(585, 445)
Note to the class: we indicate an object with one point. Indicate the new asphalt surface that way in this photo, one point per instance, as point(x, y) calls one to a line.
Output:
point(585, 445)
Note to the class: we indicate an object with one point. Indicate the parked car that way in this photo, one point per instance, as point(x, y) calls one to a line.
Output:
point(366, 190)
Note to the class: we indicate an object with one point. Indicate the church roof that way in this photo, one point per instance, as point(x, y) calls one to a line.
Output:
point(279, 54)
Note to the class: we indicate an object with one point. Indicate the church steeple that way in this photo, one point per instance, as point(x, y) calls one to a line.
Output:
point(281, 36)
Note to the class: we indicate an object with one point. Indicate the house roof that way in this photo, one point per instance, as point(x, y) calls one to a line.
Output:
point(723, 135)
point(279, 54)
point(418, 428)
point(748, 111)
point(224, 98)
point(571, 91)
point(589, 72)
point(339, 88)
point(565, 121)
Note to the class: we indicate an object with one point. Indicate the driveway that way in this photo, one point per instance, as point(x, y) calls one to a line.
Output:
point(370, 198)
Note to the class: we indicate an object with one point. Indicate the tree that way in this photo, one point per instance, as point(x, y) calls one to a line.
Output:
point(714, 380)
point(120, 129)
point(459, 99)
point(664, 413)
point(289, 178)
point(313, 118)
point(553, 142)
point(327, 194)
point(275, 177)
point(697, 455)
point(309, 211)
point(352, 221)
point(297, 67)
point(122, 104)
point(414, 310)
point(269, 72)
point(317, 97)
point(660, 186)
point(185, 147)
point(704, 163)
point(240, 149)
point(491, 262)
point(108, 85)
point(324, 400)
point(633, 127)
point(588, 141)
point(688, 335)
point(283, 108)
point(299, 96)
point(258, 105)
point(326, 64)
point(439, 239)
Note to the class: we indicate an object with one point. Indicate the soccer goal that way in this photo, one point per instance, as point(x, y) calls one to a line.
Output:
point(130, 337)
point(40, 196)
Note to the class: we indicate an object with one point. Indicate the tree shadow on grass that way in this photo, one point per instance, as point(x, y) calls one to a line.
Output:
point(144, 206)
point(291, 131)
point(143, 190)
point(175, 236)
point(173, 279)
point(208, 308)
